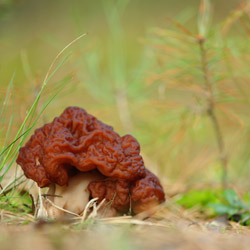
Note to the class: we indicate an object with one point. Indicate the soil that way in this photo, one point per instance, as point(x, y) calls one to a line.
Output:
point(164, 230)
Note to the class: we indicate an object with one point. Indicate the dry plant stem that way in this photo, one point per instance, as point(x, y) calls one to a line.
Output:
point(211, 110)
point(89, 205)
point(59, 208)
point(123, 109)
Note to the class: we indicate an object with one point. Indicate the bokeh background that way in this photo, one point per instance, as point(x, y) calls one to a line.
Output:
point(117, 73)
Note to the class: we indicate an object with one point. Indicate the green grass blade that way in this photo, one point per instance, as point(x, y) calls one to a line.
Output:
point(5, 102)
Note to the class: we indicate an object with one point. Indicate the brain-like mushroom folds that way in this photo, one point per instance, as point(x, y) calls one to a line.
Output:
point(78, 153)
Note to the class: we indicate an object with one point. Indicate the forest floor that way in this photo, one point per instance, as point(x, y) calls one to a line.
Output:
point(167, 229)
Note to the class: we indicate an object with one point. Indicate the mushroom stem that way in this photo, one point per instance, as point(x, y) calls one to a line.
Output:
point(73, 197)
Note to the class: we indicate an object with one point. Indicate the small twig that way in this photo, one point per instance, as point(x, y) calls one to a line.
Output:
point(89, 205)
point(109, 204)
point(41, 212)
point(51, 195)
point(129, 220)
point(62, 209)
point(94, 213)
point(130, 205)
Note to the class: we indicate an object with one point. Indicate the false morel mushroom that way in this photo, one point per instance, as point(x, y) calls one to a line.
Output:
point(81, 158)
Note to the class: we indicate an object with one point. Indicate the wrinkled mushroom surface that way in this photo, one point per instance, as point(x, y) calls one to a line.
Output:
point(77, 142)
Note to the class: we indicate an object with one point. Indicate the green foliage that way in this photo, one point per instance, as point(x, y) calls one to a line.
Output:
point(200, 198)
point(231, 205)
point(225, 202)
point(17, 202)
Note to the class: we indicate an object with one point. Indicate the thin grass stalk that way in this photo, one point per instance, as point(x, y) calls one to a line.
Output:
point(7, 96)
point(30, 113)
point(9, 154)
point(25, 134)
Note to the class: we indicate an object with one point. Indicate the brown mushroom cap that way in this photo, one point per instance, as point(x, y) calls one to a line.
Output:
point(78, 142)
point(116, 192)
point(146, 192)
point(139, 195)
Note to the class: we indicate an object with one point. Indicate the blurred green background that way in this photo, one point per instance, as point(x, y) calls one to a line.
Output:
point(41, 28)
point(118, 76)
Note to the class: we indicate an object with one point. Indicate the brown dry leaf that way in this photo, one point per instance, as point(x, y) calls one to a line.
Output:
point(243, 8)
point(228, 112)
